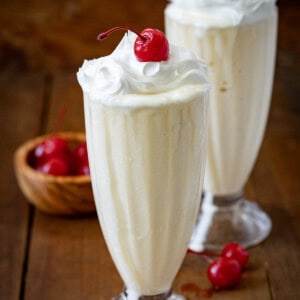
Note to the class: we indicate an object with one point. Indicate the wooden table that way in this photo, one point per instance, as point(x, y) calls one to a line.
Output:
point(44, 257)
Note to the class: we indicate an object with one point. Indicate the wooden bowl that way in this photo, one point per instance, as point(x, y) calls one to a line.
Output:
point(58, 195)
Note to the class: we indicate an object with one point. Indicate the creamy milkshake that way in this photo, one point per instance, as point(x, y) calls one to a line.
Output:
point(238, 40)
point(146, 126)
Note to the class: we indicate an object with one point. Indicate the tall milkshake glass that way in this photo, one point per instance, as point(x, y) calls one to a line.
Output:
point(146, 127)
point(238, 41)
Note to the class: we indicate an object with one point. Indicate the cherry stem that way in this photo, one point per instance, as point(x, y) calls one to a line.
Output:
point(60, 118)
point(207, 258)
point(105, 34)
point(202, 254)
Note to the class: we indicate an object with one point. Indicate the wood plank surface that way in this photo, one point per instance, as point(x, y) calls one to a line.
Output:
point(60, 34)
point(282, 247)
point(66, 93)
point(20, 118)
point(69, 260)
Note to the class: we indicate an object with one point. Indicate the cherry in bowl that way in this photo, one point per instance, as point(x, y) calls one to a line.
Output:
point(53, 194)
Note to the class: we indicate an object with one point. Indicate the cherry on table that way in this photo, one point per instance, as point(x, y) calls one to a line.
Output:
point(237, 252)
point(224, 273)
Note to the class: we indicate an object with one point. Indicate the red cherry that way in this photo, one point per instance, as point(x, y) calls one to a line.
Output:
point(80, 153)
point(237, 252)
point(83, 169)
point(54, 166)
point(150, 45)
point(224, 272)
point(154, 48)
point(51, 147)
point(80, 157)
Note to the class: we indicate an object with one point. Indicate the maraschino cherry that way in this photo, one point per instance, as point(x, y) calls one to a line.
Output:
point(80, 152)
point(52, 147)
point(237, 252)
point(224, 273)
point(81, 158)
point(151, 45)
point(54, 156)
point(54, 166)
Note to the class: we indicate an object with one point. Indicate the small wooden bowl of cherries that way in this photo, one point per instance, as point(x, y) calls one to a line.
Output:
point(53, 173)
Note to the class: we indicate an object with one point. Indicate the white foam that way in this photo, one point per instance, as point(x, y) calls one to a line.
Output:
point(107, 79)
point(219, 13)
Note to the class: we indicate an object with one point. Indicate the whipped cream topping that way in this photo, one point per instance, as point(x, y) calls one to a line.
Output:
point(108, 78)
point(220, 13)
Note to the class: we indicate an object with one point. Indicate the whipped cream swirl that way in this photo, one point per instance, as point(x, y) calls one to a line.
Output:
point(220, 13)
point(106, 78)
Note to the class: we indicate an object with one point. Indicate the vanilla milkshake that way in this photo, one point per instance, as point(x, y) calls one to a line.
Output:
point(238, 40)
point(146, 135)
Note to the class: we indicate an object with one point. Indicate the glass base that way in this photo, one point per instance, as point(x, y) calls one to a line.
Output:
point(231, 218)
point(126, 295)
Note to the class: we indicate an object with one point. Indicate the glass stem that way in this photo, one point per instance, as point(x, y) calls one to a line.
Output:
point(125, 295)
point(227, 200)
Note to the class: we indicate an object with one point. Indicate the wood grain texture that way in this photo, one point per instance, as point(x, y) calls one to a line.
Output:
point(60, 34)
point(69, 260)
point(281, 249)
point(66, 93)
point(253, 284)
point(20, 113)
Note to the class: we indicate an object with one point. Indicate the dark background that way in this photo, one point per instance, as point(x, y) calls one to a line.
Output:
point(58, 34)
